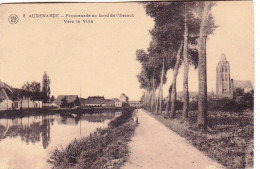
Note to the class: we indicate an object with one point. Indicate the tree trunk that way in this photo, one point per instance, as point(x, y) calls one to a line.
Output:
point(175, 73)
point(186, 72)
point(150, 100)
point(145, 99)
point(153, 99)
point(202, 65)
point(157, 93)
point(168, 104)
point(161, 89)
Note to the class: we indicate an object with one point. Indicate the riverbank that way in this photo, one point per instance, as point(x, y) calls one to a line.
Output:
point(102, 149)
point(229, 138)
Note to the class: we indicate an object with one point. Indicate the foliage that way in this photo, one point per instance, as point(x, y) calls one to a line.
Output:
point(52, 98)
point(229, 138)
point(102, 149)
point(64, 102)
point(167, 37)
point(30, 91)
point(77, 101)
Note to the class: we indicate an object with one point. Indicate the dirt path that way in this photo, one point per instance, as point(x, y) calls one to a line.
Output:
point(154, 146)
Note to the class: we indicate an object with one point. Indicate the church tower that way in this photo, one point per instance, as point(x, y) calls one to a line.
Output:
point(224, 86)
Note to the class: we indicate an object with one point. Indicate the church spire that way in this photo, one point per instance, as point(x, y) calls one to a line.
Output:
point(223, 57)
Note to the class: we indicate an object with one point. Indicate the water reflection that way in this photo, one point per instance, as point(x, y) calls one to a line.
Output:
point(42, 134)
point(29, 129)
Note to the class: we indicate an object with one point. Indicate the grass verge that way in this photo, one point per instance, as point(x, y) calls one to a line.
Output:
point(105, 148)
point(228, 140)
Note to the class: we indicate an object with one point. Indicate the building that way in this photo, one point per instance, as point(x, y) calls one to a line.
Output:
point(245, 85)
point(118, 103)
point(225, 86)
point(6, 102)
point(27, 104)
point(12, 98)
point(67, 101)
point(97, 101)
point(136, 104)
point(123, 98)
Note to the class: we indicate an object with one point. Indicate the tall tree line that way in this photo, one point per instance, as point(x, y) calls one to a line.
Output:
point(178, 38)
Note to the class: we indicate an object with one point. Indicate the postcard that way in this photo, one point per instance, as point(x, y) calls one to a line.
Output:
point(151, 85)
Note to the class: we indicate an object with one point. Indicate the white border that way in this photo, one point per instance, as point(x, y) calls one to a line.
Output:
point(257, 63)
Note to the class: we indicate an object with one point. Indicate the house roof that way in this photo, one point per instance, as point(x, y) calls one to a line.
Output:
point(70, 98)
point(116, 100)
point(242, 84)
point(2, 95)
point(2, 84)
point(13, 93)
point(97, 101)
point(6, 90)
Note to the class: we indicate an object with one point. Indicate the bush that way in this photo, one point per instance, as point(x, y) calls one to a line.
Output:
point(230, 104)
point(178, 104)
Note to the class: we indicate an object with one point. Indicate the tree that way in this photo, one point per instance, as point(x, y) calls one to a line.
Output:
point(168, 101)
point(26, 92)
point(52, 99)
point(206, 27)
point(186, 68)
point(148, 77)
point(77, 101)
point(64, 102)
point(46, 87)
point(30, 91)
point(174, 89)
point(176, 33)
point(168, 34)
point(35, 90)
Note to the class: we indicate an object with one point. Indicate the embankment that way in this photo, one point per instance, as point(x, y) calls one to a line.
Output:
point(105, 148)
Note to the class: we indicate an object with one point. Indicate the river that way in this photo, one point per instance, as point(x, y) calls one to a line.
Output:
point(26, 142)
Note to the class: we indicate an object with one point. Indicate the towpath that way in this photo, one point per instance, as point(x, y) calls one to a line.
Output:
point(154, 146)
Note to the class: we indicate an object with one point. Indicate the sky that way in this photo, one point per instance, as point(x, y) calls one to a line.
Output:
point(99, 58)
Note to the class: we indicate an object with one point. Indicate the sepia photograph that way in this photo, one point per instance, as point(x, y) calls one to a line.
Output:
point(127, 85)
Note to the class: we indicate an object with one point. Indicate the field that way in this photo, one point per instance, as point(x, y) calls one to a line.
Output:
point(228, 139)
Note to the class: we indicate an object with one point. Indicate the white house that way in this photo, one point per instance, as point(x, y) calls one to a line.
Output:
point(97, 101)
point(27, 104)
point(118, 103)
point(136, 104)
point(10, 101)
point(5, 102)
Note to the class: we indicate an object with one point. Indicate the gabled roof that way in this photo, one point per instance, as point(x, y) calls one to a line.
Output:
point(2, 95)
point(2, 84)
point(14, 93)
point(242, 84)
point(70, 98)
point(116, 100)
point(6, 90)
